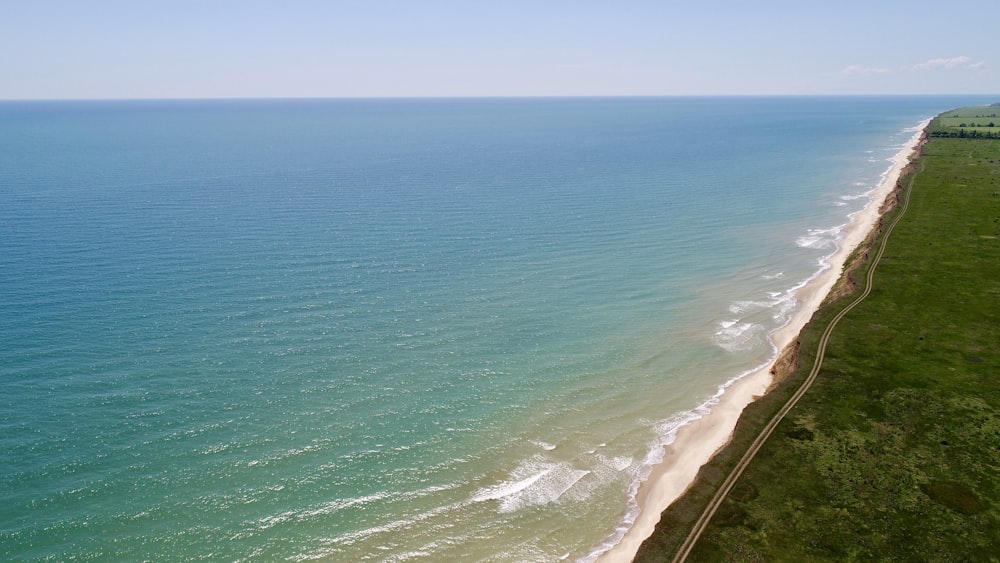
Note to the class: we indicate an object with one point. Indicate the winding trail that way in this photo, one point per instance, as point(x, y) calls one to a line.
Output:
point(734, 475)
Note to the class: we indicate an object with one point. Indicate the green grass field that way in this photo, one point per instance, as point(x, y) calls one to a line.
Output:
point(894, 453)
point(983, 119)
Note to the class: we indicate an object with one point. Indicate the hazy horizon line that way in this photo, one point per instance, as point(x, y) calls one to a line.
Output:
point(490, 97)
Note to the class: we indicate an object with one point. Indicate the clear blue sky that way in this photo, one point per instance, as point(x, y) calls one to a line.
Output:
point(313, 48)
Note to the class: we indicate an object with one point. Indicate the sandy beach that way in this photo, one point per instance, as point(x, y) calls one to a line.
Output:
point(698, 441)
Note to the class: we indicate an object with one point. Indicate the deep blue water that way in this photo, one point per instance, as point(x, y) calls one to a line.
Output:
point(390, 329)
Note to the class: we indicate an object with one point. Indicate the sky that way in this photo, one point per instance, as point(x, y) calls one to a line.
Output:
point(120, 49)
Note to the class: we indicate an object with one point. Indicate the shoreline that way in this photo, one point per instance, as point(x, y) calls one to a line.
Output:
point(696, 442)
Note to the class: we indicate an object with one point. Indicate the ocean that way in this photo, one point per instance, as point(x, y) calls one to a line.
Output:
point(392, 329)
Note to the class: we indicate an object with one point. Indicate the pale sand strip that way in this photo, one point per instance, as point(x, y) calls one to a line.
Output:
point(697, 442)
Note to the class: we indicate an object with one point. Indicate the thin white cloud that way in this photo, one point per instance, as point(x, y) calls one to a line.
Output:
point(952, 63)
point(856, 70)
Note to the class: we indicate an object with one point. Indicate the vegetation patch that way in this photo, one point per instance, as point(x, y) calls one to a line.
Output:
point(954, 496)
point(971, 122)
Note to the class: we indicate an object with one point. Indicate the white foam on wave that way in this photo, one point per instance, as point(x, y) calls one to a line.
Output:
point(740, 307)
point(336, 505)
point(360, 535)
point(734, 335)
point(356, 536)
point(820, 238)
point(509, 488)
point(783, 304)
point(544, 445)
point(843, 200)
point(533, 482)
point(744, 331)
point(780, 302)
point(618, 463)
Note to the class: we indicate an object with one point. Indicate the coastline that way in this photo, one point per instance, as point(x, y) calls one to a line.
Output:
point(698, 441)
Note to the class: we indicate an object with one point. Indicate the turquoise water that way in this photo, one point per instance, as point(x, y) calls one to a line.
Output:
point(391, 329)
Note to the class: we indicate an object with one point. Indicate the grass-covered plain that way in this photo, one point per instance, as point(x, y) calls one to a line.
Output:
point(985, 120)
point(894, 453)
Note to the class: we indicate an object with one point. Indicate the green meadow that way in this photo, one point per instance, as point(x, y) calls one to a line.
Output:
point(978, 120)
point(894, 452)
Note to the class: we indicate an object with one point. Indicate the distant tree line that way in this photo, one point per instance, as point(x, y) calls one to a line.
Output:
point(963, 134)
